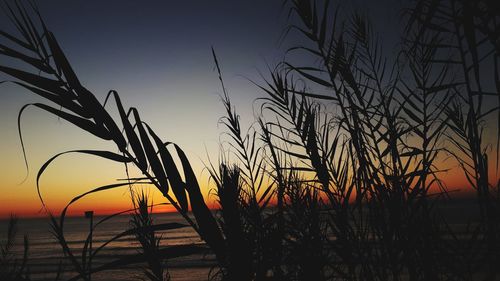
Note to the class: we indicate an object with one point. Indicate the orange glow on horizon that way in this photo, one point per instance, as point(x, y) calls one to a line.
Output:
point(57, 191)
point(111, 202)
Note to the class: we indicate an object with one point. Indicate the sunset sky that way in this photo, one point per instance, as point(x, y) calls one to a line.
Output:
point(158, 58)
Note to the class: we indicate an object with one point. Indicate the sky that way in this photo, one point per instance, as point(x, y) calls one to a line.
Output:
point(158, 57)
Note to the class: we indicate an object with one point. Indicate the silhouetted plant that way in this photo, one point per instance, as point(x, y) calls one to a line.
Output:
point(469, 48)
point(12, 268)
point(250, 233)
point(349, 146)
point(150, 242)
point(138, 144)
point(234, 226)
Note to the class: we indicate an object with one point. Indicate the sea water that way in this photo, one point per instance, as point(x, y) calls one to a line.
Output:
point(46, 257)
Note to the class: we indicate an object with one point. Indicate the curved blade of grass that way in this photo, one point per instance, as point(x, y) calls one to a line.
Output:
point(103, 154)
point(22, 141)
point(80, 122)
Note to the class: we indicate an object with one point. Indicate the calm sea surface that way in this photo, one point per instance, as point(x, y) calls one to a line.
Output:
point(45, 253)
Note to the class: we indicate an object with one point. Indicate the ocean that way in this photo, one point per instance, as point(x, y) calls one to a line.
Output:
point(45, 253)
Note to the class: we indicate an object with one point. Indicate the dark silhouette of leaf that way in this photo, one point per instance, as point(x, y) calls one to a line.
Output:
point(37, 63)
point(62, 61)
point(209, 230)
point(171, 171)
point(16, 40)
point(47, 84)
point(84, 124)
point(153, 160)
point(131, 135)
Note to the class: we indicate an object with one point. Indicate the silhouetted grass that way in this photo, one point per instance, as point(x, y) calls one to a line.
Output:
point(11, 267)
point(150, 243)
point(350, 146)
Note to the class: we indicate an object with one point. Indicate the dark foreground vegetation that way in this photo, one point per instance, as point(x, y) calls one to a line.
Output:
point(349, 150)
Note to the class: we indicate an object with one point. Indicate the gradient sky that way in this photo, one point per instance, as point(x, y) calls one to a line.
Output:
point(158, 57)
